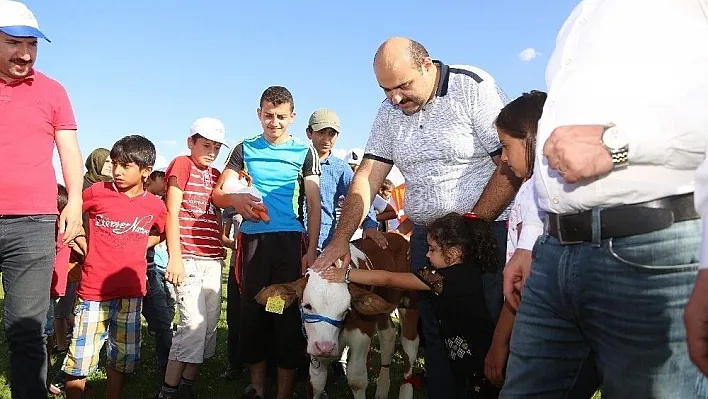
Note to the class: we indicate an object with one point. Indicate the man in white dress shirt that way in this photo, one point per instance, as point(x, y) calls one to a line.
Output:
point(623, 129)
point(696, 314)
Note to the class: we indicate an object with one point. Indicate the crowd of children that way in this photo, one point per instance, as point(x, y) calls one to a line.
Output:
point(103, 282)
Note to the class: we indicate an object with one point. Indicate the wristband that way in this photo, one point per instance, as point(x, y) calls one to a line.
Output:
point(346, 275)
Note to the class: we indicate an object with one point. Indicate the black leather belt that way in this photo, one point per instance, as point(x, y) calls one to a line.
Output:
point(623, 220)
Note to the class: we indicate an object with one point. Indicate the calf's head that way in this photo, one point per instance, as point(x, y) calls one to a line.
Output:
point(324, 306)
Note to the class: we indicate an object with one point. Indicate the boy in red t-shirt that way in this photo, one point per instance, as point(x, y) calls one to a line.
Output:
point(196, 254)
point(121, 216)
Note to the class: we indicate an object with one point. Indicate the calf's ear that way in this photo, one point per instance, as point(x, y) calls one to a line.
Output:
point(367, 303)
point(288, 292)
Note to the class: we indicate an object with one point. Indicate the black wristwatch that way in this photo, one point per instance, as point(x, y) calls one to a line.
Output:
point(617, 144)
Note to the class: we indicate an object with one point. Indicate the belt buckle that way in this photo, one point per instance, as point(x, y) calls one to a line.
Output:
point(557, 219)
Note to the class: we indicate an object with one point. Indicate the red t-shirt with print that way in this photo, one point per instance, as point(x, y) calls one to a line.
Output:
point(119, 226)
point(199, 232)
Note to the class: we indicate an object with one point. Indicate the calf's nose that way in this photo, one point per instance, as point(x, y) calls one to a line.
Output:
point(325, 347)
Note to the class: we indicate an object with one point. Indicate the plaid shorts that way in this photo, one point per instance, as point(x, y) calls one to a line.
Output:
point(118, 321)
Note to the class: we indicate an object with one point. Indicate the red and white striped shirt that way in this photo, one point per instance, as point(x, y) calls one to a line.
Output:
point(198, 223)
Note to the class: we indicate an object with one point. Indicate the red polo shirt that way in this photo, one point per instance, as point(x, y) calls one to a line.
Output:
point(31, 111)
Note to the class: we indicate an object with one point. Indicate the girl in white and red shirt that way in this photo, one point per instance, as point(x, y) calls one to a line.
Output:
point(516, 125)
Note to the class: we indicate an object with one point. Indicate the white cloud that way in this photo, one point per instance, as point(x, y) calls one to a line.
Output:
point(528, 54)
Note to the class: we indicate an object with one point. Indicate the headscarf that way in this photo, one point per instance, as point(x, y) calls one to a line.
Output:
point(94, 165)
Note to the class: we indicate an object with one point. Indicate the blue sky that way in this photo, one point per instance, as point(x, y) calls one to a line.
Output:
point(153, 66)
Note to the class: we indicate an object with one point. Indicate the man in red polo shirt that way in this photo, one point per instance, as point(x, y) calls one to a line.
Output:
point(35, 113)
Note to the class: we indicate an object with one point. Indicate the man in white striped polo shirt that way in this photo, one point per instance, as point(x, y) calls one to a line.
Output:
point(437, 126)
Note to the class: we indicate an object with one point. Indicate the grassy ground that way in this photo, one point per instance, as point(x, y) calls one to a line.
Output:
point(146, 382)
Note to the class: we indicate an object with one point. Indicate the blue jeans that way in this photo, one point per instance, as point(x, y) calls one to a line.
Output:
point(159, 311)
point(27, 251)
point(441, 384)
point(617, 303)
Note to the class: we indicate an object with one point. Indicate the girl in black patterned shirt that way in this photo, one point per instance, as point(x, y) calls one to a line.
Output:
point(461, 248)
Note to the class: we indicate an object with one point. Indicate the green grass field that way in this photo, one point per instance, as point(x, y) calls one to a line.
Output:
point(146, 382)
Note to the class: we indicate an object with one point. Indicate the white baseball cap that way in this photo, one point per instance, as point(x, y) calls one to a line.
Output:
point(17, 20)
point(354, 156)
point(209, 128)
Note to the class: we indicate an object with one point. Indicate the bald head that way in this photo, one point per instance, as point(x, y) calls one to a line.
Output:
point(406, 73)
point(401, 49)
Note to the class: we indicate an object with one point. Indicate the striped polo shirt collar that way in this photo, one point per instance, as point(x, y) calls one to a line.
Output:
point(444, 79)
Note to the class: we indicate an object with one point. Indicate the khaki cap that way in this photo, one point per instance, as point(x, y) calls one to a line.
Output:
point(322, 119)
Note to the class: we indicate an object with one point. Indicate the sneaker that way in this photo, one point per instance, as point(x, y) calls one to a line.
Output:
point(186, 392)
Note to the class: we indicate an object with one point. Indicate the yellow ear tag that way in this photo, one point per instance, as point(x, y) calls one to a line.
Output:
point(275, 304)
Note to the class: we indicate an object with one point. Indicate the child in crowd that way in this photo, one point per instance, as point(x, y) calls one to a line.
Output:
point(286, 171)
point(155, 184)
point(121, 216)
point(461, 248)
point(159, 303)
point(196, 255)
point(389, 216)
point(230, 228)
point(64, 308)
point(58, 289)
point(516, 126)
point(323, 130)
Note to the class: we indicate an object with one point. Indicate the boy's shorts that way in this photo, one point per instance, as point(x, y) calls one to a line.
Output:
point(199, 304)
point(270, 258)
point(116, 320)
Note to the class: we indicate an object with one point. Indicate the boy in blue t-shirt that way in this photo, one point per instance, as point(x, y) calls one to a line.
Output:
point(159, 303)
point(286, 172)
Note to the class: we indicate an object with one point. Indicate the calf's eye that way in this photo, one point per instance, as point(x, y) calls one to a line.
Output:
point(307, 306)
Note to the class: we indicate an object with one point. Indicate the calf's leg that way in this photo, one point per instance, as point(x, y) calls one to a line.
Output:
point(409, 343)
point(318, 375)
point(356, 362)
point(387, 341)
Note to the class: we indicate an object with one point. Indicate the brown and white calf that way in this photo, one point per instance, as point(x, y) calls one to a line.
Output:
point(337, 315)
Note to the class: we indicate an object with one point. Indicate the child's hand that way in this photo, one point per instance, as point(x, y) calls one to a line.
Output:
point(334, 274)
point(307, 260)
point(175, 272)
point(495, 363)
point(248, 206)
point(70, 221)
